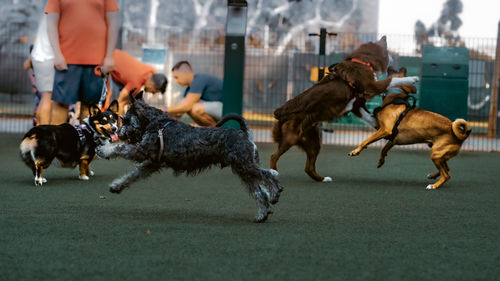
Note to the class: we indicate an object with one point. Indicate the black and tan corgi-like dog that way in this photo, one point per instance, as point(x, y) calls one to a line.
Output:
point(69, 145)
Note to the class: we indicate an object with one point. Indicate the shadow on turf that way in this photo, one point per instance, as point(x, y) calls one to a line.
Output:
point(357, 182)
point(183, 216)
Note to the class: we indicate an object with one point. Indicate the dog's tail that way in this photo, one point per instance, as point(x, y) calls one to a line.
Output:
point(461, 129)
point(277, 134)
point(237, 118)
point(27, 148)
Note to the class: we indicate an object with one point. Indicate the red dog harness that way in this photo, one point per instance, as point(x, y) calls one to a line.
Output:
point(364, 63)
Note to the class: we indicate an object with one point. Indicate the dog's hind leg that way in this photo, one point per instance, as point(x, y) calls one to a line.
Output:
point(142, 170)
point(445, 176)
point(251, 175)
point(383, 153)
point(261, 195)
point(436, 174)
point(263, 203)
point(311, 144)
point(282, 148)
point(269, 179)
point(39, 166)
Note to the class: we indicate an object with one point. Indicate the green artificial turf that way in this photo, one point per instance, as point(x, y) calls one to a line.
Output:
point(368, 224)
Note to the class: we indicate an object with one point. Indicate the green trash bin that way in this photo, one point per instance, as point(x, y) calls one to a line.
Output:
point(445, 81)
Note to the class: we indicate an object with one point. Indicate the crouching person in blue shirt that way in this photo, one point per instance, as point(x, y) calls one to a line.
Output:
point(202, 98)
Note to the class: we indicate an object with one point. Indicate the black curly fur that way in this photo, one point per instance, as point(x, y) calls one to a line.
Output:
point(189, 150)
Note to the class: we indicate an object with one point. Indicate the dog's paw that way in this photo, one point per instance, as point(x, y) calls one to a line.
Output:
point(327, 179)
point(114, 190)
point(413, 79)
point(40, 181)
point(83, 178)
point(92, 173)
point(274, 172)
point(261, 217)
point(354, 153)
point(115, 187)
point(430, 187)
point(104, 151)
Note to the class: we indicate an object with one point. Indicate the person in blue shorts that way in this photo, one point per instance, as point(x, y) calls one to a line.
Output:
point(202, 97)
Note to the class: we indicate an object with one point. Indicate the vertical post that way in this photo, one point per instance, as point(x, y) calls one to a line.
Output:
point(322, 50)
point(234, 57)
point(321, 59)
point(492, 120)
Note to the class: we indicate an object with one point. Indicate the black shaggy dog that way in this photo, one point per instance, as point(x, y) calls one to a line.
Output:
point(155, 141)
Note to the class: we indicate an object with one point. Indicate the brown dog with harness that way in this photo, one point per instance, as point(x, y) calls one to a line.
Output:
point(299, 118)
point(401, 123)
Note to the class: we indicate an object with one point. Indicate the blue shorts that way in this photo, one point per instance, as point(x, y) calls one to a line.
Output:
point(77, 83)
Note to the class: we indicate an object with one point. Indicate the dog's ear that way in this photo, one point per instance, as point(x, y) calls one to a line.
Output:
point(408, 89)
point(131, 94)
point(94, 110)
point(139, 95)
point(382, 42)
point(403, 71)
point(113, 107)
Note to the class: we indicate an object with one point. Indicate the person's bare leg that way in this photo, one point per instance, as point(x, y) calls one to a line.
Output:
point(59, 113)
point(44, 109)
point(201, 117)
point(84, 111)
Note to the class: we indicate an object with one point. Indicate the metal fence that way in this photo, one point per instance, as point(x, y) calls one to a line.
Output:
point(273, 74)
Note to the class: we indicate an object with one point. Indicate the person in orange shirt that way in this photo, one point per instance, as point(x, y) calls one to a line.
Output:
point(83, 36)
point(130, 74)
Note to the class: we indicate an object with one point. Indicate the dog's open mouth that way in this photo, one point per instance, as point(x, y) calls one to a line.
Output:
point(114, 137)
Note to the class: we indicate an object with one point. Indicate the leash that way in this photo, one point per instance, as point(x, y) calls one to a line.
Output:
point(106, 93)
point(160, 135)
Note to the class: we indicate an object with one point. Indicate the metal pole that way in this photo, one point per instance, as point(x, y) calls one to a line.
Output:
point(322, 50)
point(321, 59)
point(234, 57)
point(492, 120)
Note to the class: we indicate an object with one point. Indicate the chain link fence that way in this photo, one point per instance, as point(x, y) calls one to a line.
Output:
point(273, 75)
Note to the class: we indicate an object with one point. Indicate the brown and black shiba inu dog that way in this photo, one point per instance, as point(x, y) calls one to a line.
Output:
point(299, 118)
point(69, 145)
point(402, 124)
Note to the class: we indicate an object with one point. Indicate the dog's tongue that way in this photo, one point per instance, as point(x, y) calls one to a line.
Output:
point(114, 137)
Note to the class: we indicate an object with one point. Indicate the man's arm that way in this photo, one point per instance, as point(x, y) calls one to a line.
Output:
point(53, 32)
point(112, 22)
point(123, 100)
point(185, 105)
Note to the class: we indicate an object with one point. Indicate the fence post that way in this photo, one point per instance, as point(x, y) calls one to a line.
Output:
point(492, 120)
point(234, 57)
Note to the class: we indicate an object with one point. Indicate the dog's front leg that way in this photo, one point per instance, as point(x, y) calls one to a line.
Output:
point(109, 149)
point(373, 138)
point(123, 150)
point(398, 81)
point(141, 171)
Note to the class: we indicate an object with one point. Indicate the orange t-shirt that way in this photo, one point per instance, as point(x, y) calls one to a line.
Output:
point(130, 72)
point(82, 28)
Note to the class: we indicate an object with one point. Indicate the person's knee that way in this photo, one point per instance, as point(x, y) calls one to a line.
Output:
point(197, 109)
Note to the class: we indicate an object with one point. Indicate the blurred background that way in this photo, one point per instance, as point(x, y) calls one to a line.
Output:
point(282, 58)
